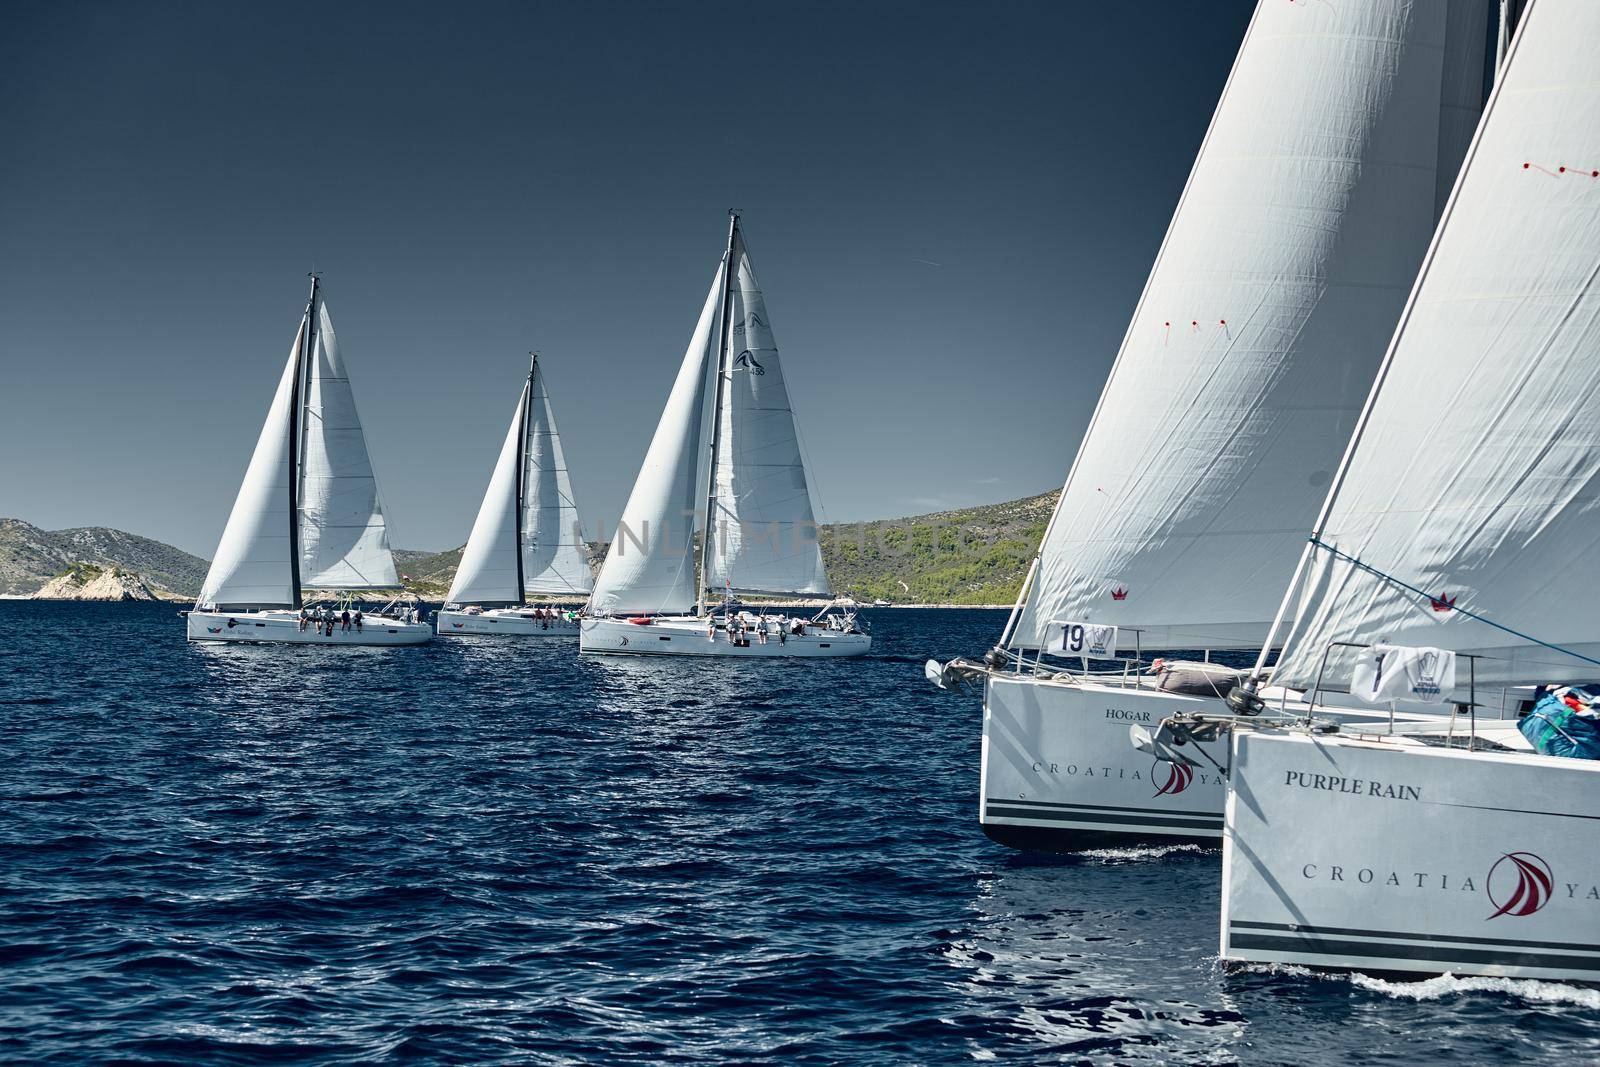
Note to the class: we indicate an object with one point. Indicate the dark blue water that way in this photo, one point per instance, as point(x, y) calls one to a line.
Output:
point(486, 852)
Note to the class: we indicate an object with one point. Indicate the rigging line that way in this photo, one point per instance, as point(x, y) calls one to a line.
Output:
point(1369, 568)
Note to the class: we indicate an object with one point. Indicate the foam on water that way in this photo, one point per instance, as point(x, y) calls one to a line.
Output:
point(1532, 990)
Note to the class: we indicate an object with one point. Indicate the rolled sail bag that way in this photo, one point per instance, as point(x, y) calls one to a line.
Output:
point(1190, 678)
point(1565, 722)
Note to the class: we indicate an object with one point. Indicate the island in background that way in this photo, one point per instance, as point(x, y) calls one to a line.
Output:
point(965, 557)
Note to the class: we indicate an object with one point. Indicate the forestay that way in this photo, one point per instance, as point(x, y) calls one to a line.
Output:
point(764, 536)
point(650, 565)
point(1474, 478)
point(343, 542)
point(554, 557)
point(1264, 318)
point(254, 562)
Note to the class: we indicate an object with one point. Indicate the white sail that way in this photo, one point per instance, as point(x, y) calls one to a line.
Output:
point(254, 561)
point(555, 559)
point(1474, 478)
point(487, 573)
point(1275, 291)
point(764, 533)
point(650, 565)
point(343, 543)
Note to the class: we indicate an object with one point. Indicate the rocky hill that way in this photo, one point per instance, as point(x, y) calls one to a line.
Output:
point(30, 557)
point(84, 581)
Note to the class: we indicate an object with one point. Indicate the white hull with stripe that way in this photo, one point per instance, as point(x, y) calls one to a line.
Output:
point(283, 627)
point(1385, 855)
point(686, 636)
point(503, 622)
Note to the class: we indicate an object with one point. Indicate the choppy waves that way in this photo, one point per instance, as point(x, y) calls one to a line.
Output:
point(495, 852)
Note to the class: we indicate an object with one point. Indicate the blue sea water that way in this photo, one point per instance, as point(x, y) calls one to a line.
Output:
point(495, 851)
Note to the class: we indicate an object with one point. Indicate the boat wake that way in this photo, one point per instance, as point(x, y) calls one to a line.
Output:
point(1532, 990)
point(1150, 852)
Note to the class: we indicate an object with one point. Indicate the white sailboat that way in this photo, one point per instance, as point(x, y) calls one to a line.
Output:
point(527, 540)
point(1243, 370)
point(1462, 525)
point(752, 505)
point(307, 517)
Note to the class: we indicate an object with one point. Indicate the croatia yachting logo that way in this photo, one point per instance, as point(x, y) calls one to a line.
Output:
point(1443, 603)
point(747, 360)
point(1177, 779)
point(1519, 883)
point(1119, 593)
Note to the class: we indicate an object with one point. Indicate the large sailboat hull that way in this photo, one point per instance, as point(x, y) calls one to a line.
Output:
point(283, 627)
point(1060, 774)
point(506, 622)
point(686, 636)
point(1379, 855)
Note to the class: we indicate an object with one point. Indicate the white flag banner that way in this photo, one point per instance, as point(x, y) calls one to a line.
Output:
point(1083, 639)
point(1401, 672)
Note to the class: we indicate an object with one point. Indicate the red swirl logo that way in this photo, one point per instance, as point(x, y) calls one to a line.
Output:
point(1519, 883)
point(1178, 778)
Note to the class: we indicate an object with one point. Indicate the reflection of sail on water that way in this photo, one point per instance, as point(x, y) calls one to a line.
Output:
point(1277, 286)
point(526, 538)
point(308, 512)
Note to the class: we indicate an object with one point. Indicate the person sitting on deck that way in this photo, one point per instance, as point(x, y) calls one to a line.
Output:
point(358, 620)
point(711, 628)
point(345, 619)
point(304, 618)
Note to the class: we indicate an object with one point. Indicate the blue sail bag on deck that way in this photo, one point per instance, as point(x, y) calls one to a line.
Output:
point(1565, 722)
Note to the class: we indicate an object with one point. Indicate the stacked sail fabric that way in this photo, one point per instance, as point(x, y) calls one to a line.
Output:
point(1564, 722)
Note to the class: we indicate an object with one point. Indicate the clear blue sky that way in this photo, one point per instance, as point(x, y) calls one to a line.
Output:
point(951, 206)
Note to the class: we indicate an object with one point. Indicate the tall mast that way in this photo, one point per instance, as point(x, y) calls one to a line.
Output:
point(297, 400)
point(522, 468)
point(706, 524)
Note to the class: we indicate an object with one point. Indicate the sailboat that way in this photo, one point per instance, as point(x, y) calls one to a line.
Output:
point(1243, 369)
point(307, 517)
point(730, 407)
point(1460, 534)
point(527, 540)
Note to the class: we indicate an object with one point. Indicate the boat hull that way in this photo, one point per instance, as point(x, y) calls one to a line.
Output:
point(1381, 856)
point(1059, 773)
point(677, 636)
point(510, 622)
point(283, 627)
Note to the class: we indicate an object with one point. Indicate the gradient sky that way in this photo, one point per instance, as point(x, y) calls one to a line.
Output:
point(951, 206)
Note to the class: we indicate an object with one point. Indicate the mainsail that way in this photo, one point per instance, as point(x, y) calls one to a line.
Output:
point(343, 542)
point(650, 565)
point(254, 562)
point(555, 559)
point(1264, 318)
point(1465, 515)
point(764, 533)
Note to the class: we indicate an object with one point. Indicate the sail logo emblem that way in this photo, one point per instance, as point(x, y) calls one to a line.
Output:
point(213, 629)
point(1178, 778)
point(1519, 883)
point(747, 360)
point(1119, 593)
point(1443, 603)
point(753, 321)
